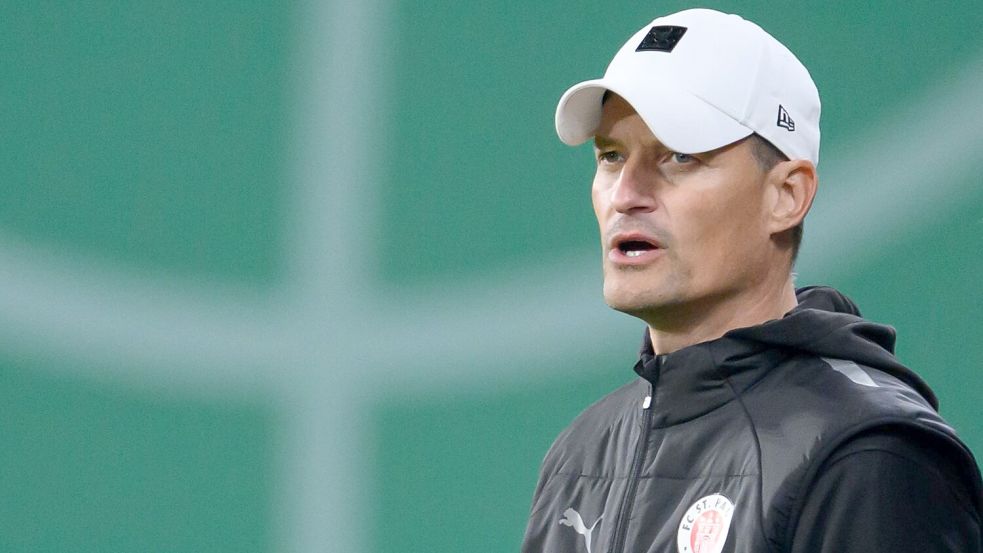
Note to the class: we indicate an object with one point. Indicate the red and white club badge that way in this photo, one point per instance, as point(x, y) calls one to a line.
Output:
point(705, 525)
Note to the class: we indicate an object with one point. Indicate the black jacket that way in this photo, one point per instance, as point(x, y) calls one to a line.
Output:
point(800, 434)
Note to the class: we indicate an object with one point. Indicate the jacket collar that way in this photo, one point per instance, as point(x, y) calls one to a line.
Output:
point(697, 379)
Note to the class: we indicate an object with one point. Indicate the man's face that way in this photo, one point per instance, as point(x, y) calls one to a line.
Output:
point(680, 234)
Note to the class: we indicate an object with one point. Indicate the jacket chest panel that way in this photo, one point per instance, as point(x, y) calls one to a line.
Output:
point(576, 508)
point(679, 466)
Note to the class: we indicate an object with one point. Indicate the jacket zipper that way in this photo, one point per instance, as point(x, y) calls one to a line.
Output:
point(621, 530)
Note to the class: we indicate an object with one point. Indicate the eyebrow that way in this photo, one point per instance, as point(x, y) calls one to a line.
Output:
point(601, 142)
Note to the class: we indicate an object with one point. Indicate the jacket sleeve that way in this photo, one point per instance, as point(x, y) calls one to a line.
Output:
point(889, 490)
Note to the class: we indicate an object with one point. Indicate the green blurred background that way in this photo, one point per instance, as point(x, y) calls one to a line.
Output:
point(300, 276)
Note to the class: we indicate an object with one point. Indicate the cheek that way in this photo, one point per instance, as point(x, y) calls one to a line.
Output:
point(600, 203)
point(718, 232)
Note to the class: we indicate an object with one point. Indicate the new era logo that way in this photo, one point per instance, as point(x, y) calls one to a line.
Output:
point(784, 119)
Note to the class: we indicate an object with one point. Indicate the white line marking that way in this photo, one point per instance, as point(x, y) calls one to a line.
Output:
point(51, 302)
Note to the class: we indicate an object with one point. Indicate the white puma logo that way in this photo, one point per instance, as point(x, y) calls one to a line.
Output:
point(572, 518)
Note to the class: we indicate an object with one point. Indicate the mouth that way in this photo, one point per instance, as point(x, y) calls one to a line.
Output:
point(634, 249)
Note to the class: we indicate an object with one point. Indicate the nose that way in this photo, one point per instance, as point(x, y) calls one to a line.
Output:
point(634, 189)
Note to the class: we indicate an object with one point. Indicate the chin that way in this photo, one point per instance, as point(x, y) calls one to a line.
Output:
point(633, 301)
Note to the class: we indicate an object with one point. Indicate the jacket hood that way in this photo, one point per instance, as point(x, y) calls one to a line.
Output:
point(825, 324)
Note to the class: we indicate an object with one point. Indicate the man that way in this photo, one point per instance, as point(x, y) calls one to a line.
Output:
point(763, 418)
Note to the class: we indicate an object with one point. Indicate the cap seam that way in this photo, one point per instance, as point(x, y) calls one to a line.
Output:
point(755, 85)
point(699, 97)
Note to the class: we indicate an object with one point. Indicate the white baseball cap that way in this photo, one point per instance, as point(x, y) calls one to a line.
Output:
point(701, 79)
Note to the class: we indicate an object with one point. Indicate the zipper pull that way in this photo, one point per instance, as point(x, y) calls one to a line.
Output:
point(647, 402)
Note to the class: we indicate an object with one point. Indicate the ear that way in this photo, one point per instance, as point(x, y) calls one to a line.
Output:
point(793, 187)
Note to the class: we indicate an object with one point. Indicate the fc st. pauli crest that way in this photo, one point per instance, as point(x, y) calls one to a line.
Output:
point(705, 525)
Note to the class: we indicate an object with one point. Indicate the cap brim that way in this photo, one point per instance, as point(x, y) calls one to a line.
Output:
point(579, 112)
point(682, 121)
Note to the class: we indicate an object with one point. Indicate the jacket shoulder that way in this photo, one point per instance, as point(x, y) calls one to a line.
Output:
point(816, 400)
point(811, 406)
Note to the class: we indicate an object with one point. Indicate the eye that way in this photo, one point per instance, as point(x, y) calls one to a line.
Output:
point(609, 157)
point(682, 158)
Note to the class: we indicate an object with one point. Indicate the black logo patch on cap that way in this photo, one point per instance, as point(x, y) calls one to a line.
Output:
point(662, 38)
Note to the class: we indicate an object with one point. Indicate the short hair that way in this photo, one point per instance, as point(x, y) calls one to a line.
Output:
point(768, 156)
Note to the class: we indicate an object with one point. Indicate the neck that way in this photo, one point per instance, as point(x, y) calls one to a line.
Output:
point(702, 323)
